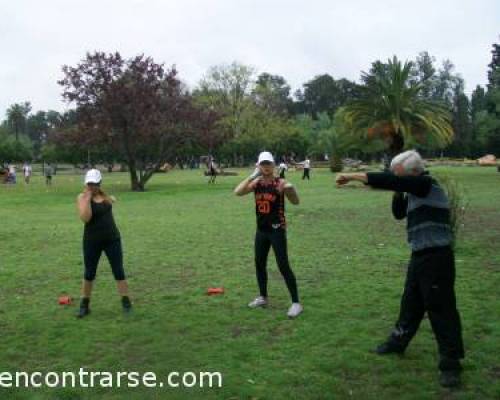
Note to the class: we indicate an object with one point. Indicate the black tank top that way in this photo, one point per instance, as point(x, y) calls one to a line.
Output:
point(102, 224)
point(269, 205)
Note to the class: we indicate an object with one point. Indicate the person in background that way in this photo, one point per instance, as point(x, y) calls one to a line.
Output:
point(282, 169)
point(212, 170)
point(49, 171)
point(307, 168)
point(12, 174)
point(27, 172)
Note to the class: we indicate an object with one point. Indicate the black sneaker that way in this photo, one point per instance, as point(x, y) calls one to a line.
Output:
point(450, 379)
point(83, 312)
point(126, 304)
point(389, 348)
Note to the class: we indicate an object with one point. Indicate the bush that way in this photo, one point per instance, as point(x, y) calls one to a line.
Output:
point(457, 201)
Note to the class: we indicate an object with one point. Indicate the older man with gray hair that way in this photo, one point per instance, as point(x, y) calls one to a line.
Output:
point(430, 277)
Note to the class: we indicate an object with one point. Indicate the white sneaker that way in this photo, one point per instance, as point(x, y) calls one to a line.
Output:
point(294, 310)
point(258, 302)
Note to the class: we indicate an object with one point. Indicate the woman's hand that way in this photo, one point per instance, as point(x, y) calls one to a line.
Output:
point(83, 205)
point(87, 193)
point(255, 174)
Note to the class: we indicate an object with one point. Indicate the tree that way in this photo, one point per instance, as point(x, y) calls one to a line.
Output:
point(226, 89)
point(209, 133)
point(17, 115)
point(425, 72)
point(272, 92)
point(12, 149)
point(134, 106)
point(324, 94)
point(461, 122)
point(493, 101)
point(482, 122)
point(390, 107)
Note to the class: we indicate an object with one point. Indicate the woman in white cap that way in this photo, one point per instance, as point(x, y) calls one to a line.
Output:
point(270, 192)
point(100, 235)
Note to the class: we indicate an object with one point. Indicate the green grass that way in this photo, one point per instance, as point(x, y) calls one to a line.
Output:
point(183, 236)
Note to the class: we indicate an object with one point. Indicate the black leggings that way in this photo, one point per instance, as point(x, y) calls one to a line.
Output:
point(429, 288)
point(263, 242)
point(306, 174)
point(92, 251)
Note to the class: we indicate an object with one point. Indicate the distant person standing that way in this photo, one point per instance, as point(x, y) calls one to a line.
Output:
point(307, 168)
point(212, 170)
point(27, 172)
point(282, 169)
point(12, 174)
point(49, 171)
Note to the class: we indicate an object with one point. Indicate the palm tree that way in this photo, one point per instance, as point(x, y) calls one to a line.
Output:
point(16, 117)
point(391, 107)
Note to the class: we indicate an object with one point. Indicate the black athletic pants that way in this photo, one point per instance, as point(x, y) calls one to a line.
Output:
point(92, 251)
point(306, 174)
point(429, 288)
point(263, 242)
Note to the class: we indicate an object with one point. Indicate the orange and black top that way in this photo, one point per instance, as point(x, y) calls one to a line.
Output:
point(269, 205)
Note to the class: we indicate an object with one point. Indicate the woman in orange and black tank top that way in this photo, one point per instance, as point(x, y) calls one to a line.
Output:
point(270, 192)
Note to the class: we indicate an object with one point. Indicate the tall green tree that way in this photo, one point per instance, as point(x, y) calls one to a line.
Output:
point(324, 94)
point(272, 92)
point(493, 101)
point(461, 121)
point(17, 114)
point(227, 89)
point(391, 107)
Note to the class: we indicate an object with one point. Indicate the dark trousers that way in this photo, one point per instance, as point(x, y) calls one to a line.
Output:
point(92, 251)
point(306, 174)
point(429, 288)
point(263, 242)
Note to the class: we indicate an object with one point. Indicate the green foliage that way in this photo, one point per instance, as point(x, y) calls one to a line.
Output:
point(272, 93)
point(15, 150)
point(17, 115)
point(458, 203)
point(324, 94)
point(391, 108)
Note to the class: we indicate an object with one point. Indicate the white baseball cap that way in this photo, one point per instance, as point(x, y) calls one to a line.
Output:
point(265, 156)
point(93, 176)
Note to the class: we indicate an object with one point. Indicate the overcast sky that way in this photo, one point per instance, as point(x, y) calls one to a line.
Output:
point(296, 39)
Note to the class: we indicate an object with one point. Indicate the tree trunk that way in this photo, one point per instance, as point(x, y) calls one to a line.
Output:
point(335, 163)
point(396, 146)
point(137, 185)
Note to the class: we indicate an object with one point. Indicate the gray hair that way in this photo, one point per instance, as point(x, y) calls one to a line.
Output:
point(410, 160)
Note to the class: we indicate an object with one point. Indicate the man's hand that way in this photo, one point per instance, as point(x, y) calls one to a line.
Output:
point(342, 179)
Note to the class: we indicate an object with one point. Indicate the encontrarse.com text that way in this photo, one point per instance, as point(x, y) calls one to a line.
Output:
point(90, 379)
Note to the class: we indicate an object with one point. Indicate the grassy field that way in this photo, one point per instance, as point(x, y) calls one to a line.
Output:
point(183, 236)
